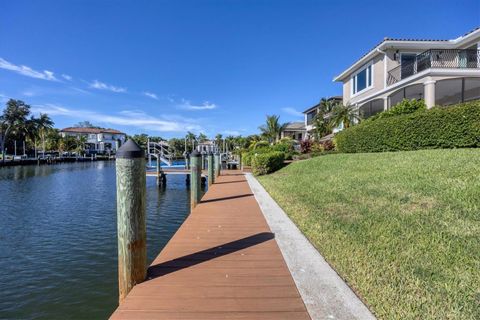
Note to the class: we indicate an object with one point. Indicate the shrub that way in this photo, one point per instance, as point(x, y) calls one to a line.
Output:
point(285, 146)
point(404, 107)
point(267, 162)
point(305, 146)
point(261, 144)
point(328, 145)
point(440, 127)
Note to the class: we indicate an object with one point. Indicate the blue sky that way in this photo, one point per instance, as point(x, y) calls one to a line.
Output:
point(165, 67)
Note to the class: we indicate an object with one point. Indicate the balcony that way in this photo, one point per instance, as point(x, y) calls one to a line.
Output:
point(436, 58)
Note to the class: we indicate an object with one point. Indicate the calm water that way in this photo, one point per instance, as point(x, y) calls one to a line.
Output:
point(58, 242)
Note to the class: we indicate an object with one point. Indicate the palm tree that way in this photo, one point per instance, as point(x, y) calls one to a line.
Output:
point(344, 114)
point(272, 128)
point(202, 137)
point(191, 137)
point(14, 117)
point(218, 141)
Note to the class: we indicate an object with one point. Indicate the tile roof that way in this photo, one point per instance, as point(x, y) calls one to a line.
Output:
point(295, 126)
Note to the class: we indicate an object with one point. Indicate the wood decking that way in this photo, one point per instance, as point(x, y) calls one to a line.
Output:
point(223, 263)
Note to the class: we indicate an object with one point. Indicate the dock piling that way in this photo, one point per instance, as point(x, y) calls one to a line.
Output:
point(211, 174)
point(195, 176)
point(131, 212)
point(218, 164)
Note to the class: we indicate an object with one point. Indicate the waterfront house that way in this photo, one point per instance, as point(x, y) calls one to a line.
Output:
point(442, 72)
point(207, 146)
point(294, 130)
point(98, 140)
point(311, 112)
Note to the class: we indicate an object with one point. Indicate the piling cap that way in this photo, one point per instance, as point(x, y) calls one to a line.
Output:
point(195, 153)
point(130, 150)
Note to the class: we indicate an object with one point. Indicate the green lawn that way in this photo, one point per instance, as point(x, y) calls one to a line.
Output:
point(403, 229)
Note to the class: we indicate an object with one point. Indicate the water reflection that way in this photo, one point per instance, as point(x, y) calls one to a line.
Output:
point(58, 245)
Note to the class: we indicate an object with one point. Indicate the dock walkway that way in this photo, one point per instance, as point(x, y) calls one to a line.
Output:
point(223, 263)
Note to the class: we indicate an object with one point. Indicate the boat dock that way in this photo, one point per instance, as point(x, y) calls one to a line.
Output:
point(223, 263)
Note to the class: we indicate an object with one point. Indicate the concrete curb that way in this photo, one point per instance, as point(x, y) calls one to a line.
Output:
point(324, 293)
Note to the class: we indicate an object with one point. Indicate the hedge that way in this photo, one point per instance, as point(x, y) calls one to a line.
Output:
point(455, 126)
point(267, 162)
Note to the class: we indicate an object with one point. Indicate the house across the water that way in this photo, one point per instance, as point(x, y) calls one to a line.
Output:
point(442, 72)
point(98, 140)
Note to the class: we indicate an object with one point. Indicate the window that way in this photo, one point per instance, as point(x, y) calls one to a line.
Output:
point(362, 79)
point(310, 116)
point(448, 92)
point(371, 108)
point(471, 89)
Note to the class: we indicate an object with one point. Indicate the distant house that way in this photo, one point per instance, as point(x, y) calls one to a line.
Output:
point(441, 72)
point(311, 112)
point(294, 130)
point(206, 147)
point(99, 140)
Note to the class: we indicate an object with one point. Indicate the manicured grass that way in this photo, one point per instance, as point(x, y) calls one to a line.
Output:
point(403, 228)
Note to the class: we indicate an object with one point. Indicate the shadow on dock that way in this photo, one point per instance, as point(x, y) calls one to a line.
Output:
point(206, 255)
point(228, 198)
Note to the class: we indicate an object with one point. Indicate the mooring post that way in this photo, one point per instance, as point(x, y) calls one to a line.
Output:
point(217, 164)
point(187, 161)
point(158, 172)
point(131, 225)
point(195, 176)
point(240, 162)
point(211, 170)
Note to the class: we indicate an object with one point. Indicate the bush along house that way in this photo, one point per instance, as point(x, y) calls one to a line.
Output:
point(442, 72)
point(97, 140)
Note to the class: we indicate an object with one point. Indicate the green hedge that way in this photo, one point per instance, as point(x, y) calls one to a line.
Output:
point(456, 126)
point(267, 162)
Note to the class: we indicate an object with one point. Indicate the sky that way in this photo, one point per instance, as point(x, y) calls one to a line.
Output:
point(168, 67)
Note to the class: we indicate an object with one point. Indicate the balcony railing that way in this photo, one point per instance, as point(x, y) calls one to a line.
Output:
point(436, 58)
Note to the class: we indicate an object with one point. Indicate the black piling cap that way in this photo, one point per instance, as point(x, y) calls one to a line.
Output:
point(195, 153)
point(130, 150)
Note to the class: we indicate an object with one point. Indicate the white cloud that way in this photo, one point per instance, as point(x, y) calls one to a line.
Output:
point(150, 95)
point(204, 106)
point(27, 71)
point(103, 86)
point(67, 77)
point(132, 118)
point(3, 98)
point(292, 112)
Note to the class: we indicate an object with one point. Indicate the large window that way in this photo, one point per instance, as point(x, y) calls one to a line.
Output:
point(362, 79)
point(448, 92)
point(371, 108)
point(471, 89)
point(414, 91)
point(310, 116)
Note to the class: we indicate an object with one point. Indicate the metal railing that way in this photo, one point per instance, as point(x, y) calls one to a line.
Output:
point(436, 58)
point(161, 151)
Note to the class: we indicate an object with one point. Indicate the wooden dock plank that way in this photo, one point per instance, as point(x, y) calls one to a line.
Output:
point(223, 263)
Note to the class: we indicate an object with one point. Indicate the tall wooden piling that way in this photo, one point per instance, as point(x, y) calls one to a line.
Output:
point(211, 170)
point(131, 225)
point(218, 164)
point(195, 177)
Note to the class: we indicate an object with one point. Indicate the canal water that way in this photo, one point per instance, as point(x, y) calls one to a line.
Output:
point(58, 241)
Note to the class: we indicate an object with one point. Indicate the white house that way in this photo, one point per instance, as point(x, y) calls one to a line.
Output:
point(98, 139)
point(441, 72)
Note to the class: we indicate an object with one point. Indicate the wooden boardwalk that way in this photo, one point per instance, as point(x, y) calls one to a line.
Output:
point(223, 263)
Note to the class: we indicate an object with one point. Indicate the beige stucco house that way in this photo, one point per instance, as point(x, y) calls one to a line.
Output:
point(441, 72)
point(294, 130)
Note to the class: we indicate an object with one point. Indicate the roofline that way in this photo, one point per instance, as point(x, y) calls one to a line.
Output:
point(329, 98)
point(385, 44)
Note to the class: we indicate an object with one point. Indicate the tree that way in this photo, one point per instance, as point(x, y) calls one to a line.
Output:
point(202, 137)
point(14, 116)
point(322, 124)
point(85, 124)
point(43, 124)
point(344, 114)
point(192, 138)
point(272, 128)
